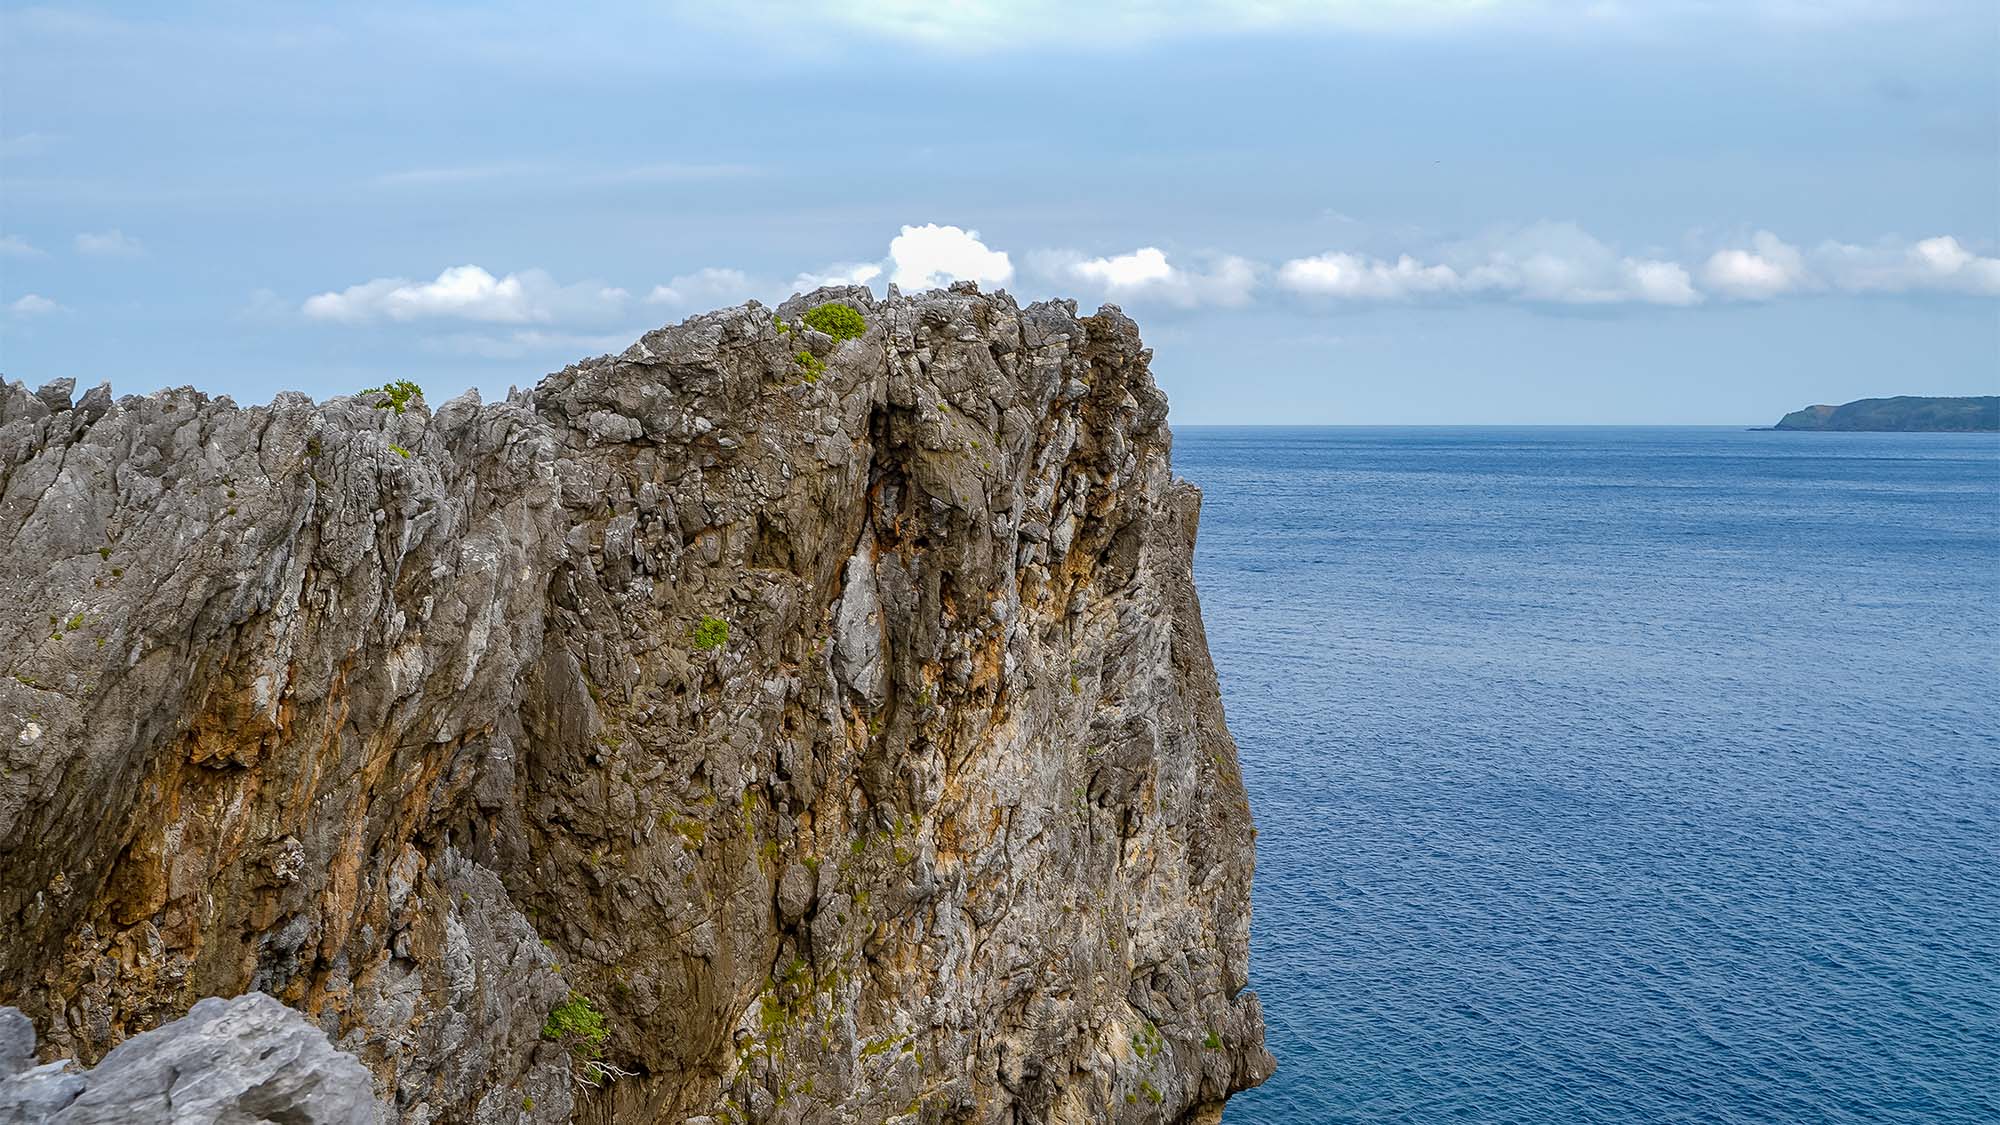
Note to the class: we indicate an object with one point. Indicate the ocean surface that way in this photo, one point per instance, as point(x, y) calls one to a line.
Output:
point(1633, 775)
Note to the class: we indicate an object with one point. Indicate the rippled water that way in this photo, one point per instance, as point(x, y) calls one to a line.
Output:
point(1615, 774)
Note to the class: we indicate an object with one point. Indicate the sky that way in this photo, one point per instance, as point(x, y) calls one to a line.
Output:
point(1319, 211)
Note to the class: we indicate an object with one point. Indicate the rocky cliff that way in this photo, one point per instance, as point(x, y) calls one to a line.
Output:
point(752, 726)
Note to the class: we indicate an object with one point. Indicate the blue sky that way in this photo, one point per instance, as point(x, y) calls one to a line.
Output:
point(1441, 211)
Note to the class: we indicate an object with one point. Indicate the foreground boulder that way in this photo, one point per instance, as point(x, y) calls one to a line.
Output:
point(752, 726)
point(228, 1062)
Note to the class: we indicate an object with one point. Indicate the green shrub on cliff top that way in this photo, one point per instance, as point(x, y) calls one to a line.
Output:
point(836, 320)
point(397, 395)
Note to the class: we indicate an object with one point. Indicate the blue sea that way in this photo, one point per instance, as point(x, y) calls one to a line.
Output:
point(1614, 775)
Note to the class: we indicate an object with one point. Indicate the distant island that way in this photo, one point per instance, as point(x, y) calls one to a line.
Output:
point(1904, 413)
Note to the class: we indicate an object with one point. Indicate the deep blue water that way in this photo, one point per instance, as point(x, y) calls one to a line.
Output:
point(1635, 775)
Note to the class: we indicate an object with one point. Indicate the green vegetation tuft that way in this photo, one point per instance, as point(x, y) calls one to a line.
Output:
point(813, 365)
point(837, 320)
point(398, 451)
point(578, 1024)
point(710, 633)
point(395, 396)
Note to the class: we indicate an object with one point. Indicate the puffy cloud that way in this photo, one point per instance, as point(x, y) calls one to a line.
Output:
point(1660, 283)
point(468, 293)
point(1770, 268)
point(1146, 274)
point(1940, 264)
point(924, 257)
point(33, 304)
point(1354, 277)
point(1561, 263)
point(1144, 266)
point(929, 256)
point(708, 287)
point(14, 246)
point(1550, 263)
point(112, 243)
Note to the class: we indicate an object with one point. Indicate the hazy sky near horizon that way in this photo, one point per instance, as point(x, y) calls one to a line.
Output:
point(1438, 211)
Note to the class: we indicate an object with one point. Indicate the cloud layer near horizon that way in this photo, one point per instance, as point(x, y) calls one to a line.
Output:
point(1542, 264)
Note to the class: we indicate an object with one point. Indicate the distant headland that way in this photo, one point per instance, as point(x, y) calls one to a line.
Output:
point(1904, 413)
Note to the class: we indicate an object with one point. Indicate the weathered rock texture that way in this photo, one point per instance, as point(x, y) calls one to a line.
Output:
point(401, 718)
point(227, 1062)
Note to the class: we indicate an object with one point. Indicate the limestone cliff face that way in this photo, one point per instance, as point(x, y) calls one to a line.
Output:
point(425, 722)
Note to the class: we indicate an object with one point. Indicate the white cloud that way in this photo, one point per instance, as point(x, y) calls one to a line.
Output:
point(1144, 266)
point(1770, 268)
point(1660, 283)
point(930, 256)
point(1549, 263)
point(840, 273)
point(530, 342)
point(710, 287)
point(1353, 277)
point(14, 246)
point(1146, 274)
point(1561, 263)
point(1940, 264)
point(112, 243)
point(468, 293)
point(925, 257)
point(33, 304)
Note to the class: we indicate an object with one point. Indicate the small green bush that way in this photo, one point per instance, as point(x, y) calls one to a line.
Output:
point(395, 396)
point(814, 366)
point(711, 633)
point(837, 320)
point(399, 451)
point(577, 1023)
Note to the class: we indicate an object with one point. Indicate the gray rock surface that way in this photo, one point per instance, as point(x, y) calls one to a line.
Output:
point(17, 1042)
point(227, 1062)
point(399, 717)
point(36, 1095)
